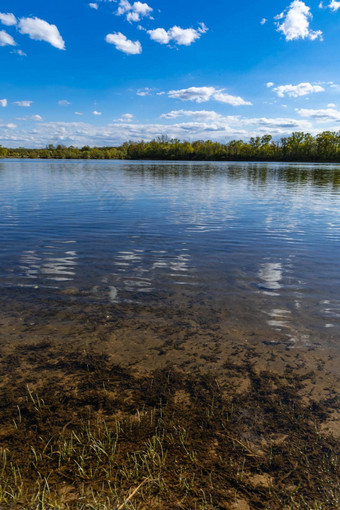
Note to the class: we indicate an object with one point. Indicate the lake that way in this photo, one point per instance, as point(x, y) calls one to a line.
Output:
point(240, 252)
point(169, 334)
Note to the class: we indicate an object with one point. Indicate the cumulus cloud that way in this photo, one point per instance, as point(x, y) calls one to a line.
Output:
point(263, 21)
point(177, 35)
point(122, 43)
point(204, 94)
point(94, 6)
point(23, 104)
point(6, 39)
point(126, 117)
point(270, 84)
point(39, 30)
point(8, 19)
point(326, 115)
point(135, 11)
point(294, 22)
point(3, 103)
point(333, 6)
point(96, 113)
point(302, 89)
point(64, 102)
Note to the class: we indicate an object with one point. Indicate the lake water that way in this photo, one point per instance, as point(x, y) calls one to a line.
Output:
point(253, 246)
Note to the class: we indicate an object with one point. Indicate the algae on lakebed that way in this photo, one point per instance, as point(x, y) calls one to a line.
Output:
point(91, 434)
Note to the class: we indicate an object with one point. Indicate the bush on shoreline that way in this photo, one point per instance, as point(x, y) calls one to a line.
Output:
point(324, 147)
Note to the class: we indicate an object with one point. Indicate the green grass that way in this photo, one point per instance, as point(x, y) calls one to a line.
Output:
point(166, 440)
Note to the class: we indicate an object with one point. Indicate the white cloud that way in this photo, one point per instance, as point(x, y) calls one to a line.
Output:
point(135, 11)
point(159, 35)
point(202, 115)
point(123, 44)
point(333, 6)
point(326, 115)
point(144, 92)
point(8, 19)
point(94, 6)
point(126, 117)
point(178, 35)
point(37, 118)
point(6, 39)
point(78, 113)
point(79, 134)
point(331, 105)
point(39, 30)
point(96, 113)
point(302, 89)
point(20, 52)
point(221, 97)
point(64, 102)
point(23, 104)
point(263, 21)
point(296, 22)
point(197, 94)
point(10, 125)
point(270, 84)
point(204, 94)
point(3, 103)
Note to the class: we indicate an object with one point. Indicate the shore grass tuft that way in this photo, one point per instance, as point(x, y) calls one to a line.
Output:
point(101, 437)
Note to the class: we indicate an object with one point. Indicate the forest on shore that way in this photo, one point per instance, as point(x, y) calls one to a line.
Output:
point(299, 146)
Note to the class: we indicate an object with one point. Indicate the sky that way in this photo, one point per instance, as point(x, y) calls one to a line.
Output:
point(104, 72)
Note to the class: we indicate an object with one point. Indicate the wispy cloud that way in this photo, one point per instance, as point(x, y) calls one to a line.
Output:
point(220, 128)
point(23, 104)
point(6, 39)
point(204, 94)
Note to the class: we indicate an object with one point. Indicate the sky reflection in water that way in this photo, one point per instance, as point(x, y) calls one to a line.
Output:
point(258, 238)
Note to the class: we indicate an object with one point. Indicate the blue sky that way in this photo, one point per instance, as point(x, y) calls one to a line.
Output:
point(100, 73)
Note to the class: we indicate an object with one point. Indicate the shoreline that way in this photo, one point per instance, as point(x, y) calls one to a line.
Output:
point(299, 146)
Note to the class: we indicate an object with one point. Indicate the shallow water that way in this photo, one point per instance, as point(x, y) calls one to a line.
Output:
point(254, 245)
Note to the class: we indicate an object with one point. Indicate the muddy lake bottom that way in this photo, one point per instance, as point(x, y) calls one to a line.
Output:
point(134, 407)
point(169, 336)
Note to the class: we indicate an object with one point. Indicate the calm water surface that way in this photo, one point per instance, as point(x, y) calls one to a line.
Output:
point(260, 241)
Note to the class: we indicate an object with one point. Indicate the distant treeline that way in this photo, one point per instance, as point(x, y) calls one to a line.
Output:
point(297, 147)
